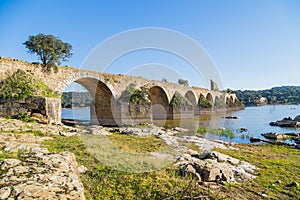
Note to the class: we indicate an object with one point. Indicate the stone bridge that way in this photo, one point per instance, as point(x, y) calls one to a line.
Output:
point(107, 89)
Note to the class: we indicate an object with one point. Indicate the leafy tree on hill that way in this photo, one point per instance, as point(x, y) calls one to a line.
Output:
point(50, 50)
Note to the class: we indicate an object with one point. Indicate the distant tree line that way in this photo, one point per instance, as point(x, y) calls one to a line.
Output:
point(76, 99)
point(275, 95)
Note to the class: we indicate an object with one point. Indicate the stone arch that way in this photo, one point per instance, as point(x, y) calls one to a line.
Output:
point(105, 105)
point(160, 102)
point(101, 109)
point(232, 99)
point(191, 97)
point(86, 79)
point(209, 97)
point(228, 99)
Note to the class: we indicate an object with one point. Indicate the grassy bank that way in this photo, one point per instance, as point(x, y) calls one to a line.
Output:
point(278, 168)
point(102, 182)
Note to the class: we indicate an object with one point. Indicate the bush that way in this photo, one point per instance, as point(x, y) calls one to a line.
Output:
point(219, 103)
point(180, 101)
point(203, 102)
point(22, 85)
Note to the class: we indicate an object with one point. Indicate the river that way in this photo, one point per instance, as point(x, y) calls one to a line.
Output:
point(255, 119)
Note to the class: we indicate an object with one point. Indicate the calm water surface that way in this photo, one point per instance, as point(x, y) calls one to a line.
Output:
point(255, 119)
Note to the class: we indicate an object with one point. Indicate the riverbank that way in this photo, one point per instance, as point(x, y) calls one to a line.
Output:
point(277, 167)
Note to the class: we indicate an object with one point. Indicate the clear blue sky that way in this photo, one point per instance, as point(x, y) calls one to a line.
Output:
point(255, 44)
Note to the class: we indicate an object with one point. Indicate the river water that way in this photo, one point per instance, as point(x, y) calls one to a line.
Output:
point(255, 119)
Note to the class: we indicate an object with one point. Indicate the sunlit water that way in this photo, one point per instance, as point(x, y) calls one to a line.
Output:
point(255, 119)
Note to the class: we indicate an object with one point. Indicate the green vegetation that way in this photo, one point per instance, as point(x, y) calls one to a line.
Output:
point(190, 145)
point(179, 100)
point(164, 80)
point(140, 95)
point(276, 95)
point(102, 182)
point(219, 103)
point(136, 144)
point(220, 132)
point(50, 50)
point(24, 117)
point(4, 155)
point(22, 85)
point(183, 82)
point(135, 95)
point(278, 167)
point(237, 103)
point(203, 102)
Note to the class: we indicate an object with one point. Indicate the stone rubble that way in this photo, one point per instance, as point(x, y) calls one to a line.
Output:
point(15, 126)
point(33, 172)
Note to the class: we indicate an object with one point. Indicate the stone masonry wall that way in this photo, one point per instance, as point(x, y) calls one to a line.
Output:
point(45, 109)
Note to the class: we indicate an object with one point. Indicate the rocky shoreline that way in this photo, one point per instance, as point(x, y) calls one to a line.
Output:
point(33, 172)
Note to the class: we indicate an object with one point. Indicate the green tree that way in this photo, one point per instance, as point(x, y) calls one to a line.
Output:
point(164, 80)
point(183, 82)
point(50, 50)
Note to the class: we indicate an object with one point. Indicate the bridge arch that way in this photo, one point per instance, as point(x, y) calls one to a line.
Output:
point(209, 97)
point(160, 102)
point(192, 98)
point(87, 79)
point(102, 107)
point(232, 99)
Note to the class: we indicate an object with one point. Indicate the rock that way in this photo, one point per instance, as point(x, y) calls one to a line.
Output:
point(213, 172)
point(81, 169)
point(264, 195)
point(4, 193)
point(40, 174)
point(233, 161)
point(9, 163)
point(278, 181)
point(297, 140)
point(97, 130)
point(220, 157)
point(9, 148)
point(293, 184)
point(39, 118)
point(181, 130)
point(190, 170)
point(67, 134)
point(243, 130)
point(216, 167)
point(255, 139)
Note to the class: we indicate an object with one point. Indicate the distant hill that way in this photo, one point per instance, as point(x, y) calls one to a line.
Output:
point(275, 95)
